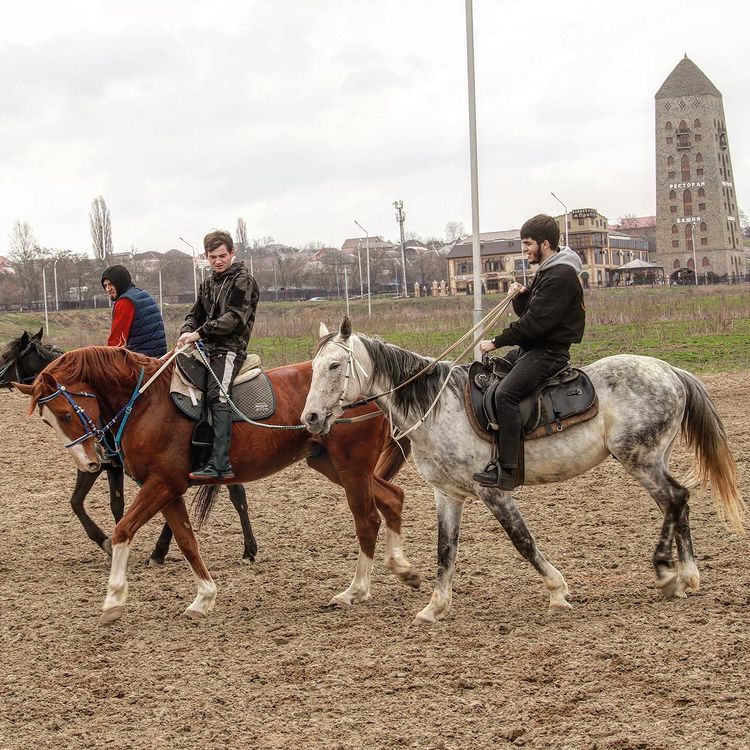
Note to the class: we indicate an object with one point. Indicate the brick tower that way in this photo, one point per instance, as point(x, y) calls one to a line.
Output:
point(696, 209)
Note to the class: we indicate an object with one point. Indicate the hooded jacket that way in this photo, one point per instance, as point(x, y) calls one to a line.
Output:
point(145, 334)
point(551, 313)
point(224, 313)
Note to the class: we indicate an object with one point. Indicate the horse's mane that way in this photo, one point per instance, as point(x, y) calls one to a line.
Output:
point(398, 365)
point(101, 366)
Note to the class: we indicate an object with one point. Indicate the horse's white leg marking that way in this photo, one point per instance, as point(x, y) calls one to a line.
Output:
point(117, 586)
point(83, 462)
point(359, 589)
point(449, 511)
point(396, 562)
point(205, 599)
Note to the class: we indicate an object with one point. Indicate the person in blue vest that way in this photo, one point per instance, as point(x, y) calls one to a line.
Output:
point(137, 323)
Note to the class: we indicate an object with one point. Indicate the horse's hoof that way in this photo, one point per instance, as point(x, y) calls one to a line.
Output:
point(340, 601)
point(412, 579)
point(248, 560)
point(154, 561)
point(668, 585)
point(107, 547)
point(193, 614)
point(110, 615)
point(559, 607)
point(423, 619)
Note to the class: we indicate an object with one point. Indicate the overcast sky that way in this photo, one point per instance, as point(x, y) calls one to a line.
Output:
point(303, 115)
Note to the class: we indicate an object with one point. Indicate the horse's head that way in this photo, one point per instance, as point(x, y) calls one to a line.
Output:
point(338, 378)
point(72, 410)
point(24, 358)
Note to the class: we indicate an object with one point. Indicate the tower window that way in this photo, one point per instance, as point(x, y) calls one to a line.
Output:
point(672, 195)
point(703, 226)
point(701, 193)
point(685, 166)
point(704, 241)
point(674, 229)
point(670, 161)
point(687, 203)
point(676, 243)
point(670, 174)
point(697, 123)
point(699, 156)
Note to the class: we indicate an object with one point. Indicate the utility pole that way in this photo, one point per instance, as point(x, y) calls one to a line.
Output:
point(400, 218)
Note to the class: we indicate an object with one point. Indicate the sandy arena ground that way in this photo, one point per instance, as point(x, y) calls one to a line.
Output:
point(274, 667)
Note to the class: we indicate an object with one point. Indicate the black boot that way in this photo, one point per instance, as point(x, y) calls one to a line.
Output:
point(218, 466)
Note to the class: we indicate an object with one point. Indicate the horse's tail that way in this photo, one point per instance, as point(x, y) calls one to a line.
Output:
point(203, 502)
point(704, 433)
point(392, 458)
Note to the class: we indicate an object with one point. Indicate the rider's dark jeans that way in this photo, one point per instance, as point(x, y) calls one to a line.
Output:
point(531, 368)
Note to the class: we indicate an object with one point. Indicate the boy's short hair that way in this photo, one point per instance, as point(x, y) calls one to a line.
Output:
point(216, 239)
point(541, 227)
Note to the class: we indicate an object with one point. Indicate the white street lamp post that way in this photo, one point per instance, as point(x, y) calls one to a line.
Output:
point(195, 267)
point(567, 242)
point(367, 244)
point(346, 291)
point(54, 268)
point(692, 242)
point(359, 263)
point(44, 285)
point(476, 252)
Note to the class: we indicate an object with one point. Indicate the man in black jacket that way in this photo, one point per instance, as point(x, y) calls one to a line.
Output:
point(551, 317)
point(222, 317)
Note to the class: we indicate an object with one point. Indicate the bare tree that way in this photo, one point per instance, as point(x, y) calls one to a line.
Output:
point(454, 230)
point(628, 221)
point(745, 225)
point(27, 258)
point(101, 231)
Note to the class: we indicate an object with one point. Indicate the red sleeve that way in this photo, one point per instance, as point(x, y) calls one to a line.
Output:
point(122, 319)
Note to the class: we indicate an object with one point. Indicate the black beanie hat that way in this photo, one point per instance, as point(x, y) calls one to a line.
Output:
point(119, 276)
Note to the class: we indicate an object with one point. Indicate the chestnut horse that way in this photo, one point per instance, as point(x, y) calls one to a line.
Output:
point(22, 360)
point(87, 387)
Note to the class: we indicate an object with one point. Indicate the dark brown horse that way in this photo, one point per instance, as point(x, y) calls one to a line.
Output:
point(86, 387)
point(22, 360)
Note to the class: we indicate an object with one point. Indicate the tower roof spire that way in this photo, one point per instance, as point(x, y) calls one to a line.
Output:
point(686, 79)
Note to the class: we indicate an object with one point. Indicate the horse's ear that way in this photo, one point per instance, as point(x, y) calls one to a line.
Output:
point(22, 388)
point(38, 335)
point(23, 342)
point(346, 328)
point(323, 330)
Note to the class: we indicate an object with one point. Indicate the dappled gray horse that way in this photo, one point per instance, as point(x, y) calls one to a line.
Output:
point(643, 404)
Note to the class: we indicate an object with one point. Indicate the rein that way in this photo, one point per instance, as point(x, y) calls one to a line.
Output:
point(100, 433)
point(486, 322)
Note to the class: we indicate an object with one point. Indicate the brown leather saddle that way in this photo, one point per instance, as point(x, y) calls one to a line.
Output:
point(565, 399)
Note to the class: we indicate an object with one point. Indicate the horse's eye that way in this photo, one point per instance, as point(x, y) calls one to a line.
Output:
point(335, 365)
point(66, 417)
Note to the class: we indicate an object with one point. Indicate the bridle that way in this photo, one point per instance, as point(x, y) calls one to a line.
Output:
point(15, 363)
point(89, 426)
point(353, 367)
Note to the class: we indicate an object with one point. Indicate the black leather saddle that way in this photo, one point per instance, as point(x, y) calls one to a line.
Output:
point(254, 397)
point(567, 393)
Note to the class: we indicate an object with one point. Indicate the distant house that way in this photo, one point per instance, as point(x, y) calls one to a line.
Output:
point(353, 245)
point(638, 226)
point(6, 266)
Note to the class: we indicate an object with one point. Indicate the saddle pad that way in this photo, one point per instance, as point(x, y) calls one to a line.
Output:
point(255, 399)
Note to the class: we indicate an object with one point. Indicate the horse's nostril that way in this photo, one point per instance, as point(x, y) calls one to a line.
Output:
point(311, 417)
